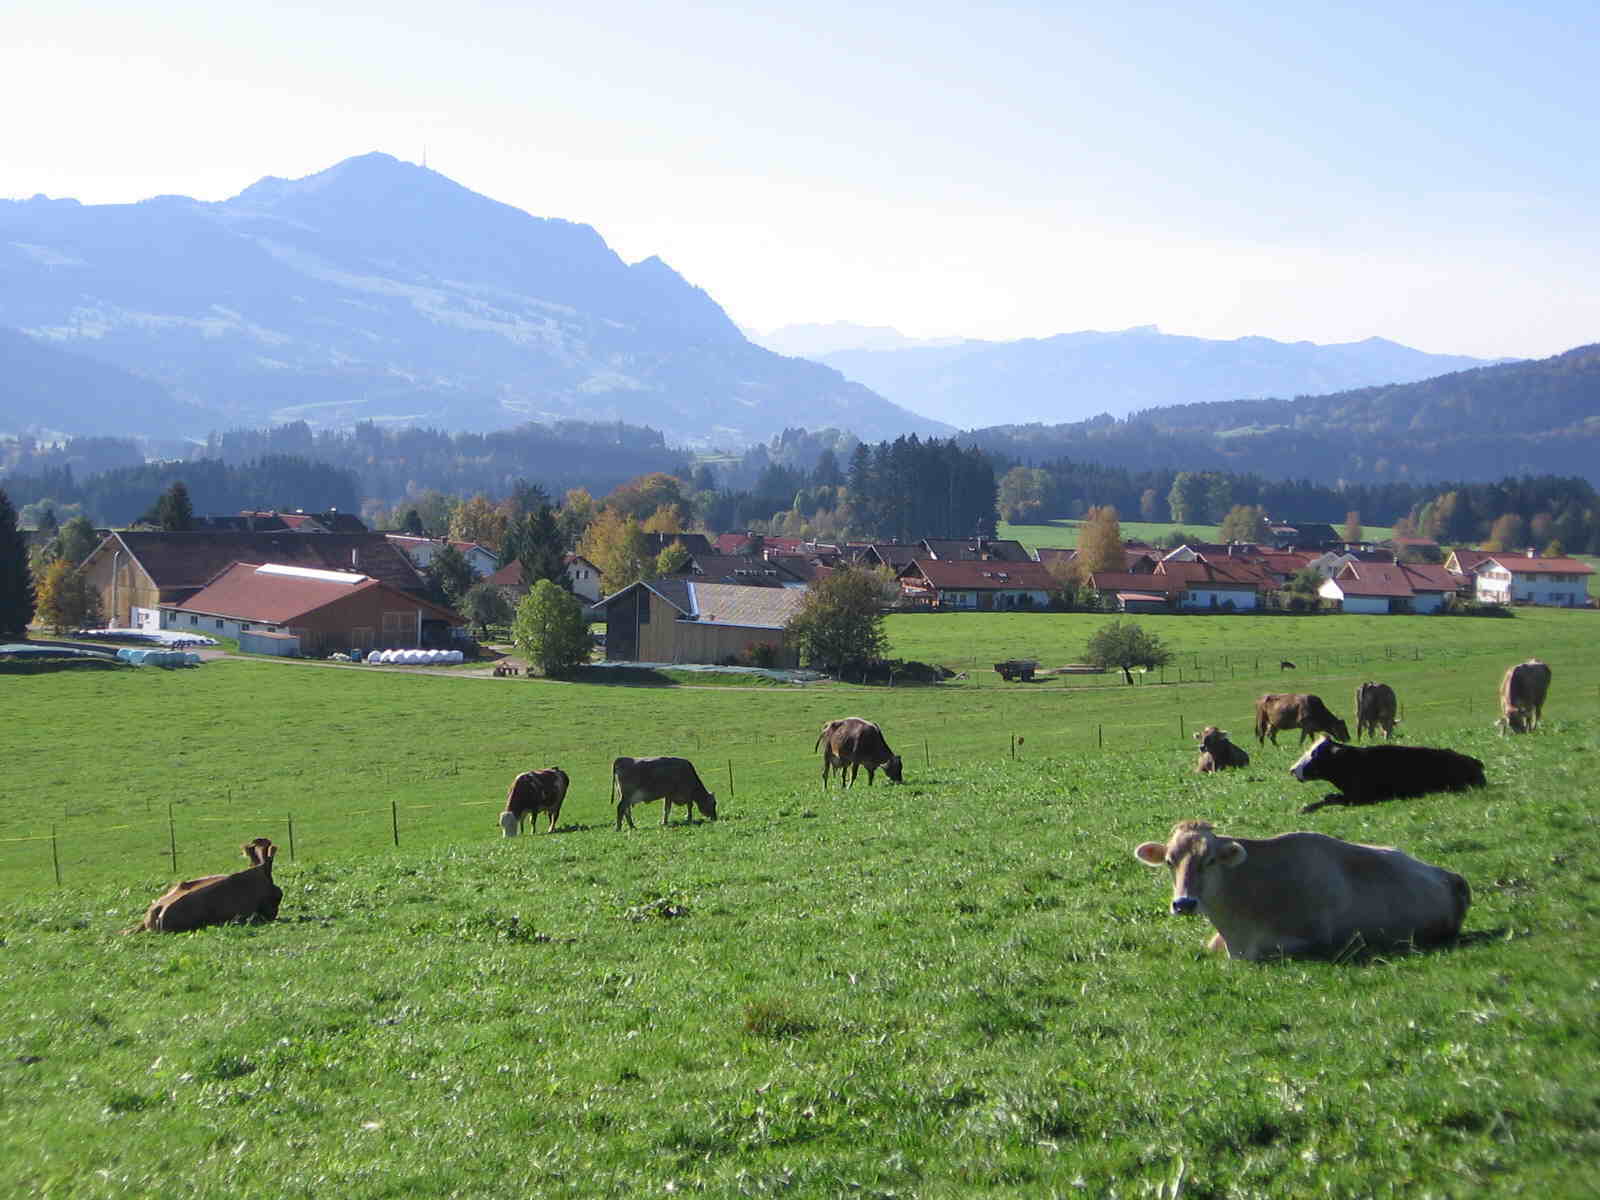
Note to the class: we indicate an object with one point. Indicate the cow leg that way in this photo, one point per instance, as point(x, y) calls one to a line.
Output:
point(870, 771)
point(666, 809)
point(1217, 944)
point(625, 812)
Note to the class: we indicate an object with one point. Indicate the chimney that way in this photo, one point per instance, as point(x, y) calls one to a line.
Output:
point(1530, 552)
point(355, 558)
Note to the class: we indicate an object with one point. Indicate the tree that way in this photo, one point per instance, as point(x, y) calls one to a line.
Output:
point(666, 519)
point(77, 540)
point(673, 559)
point(485, 605)
point(549, 629)
point(839, 627)
point(1100, 543)
point(1022, 494)
point(16, 580)
point(66, 598)
point(1352, 526)
point(1187, 499)
point(616, 545)
point(1125, 647)
point(411, 523)
point(449, 575)
point(534, 540)
point(478, 521)
point(172, 512)
point(1149, 505)
point(1244, 523)
point(1509, 532)
point(434, 510)
point(638, 498)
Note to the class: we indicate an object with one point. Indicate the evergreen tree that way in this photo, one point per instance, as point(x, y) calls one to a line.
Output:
point(535, 541)
point(16, 580)
point(449, 575)
point(173, 511)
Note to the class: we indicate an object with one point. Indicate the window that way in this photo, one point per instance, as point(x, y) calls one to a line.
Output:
point(243, 625)
point(193, 620)
point(219, 622)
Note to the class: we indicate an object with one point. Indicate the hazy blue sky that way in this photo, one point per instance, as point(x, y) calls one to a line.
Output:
point(1423, 172)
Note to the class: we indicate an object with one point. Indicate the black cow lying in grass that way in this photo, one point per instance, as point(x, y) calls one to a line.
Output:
point(1367, 774)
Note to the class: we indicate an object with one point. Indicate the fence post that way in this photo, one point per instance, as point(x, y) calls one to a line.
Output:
point(172, 838)
point(1013, 747)
point(1100, 737)
point(1180, 726)
point(394, 820)
point(55, 857)
point(730, 779)
point(291, 837)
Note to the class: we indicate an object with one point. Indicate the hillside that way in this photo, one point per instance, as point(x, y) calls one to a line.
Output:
point(1074, 376)
point(379, 290)
point(1512, 419)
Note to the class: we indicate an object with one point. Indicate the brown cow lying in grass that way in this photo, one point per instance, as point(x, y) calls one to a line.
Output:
point(218, 899)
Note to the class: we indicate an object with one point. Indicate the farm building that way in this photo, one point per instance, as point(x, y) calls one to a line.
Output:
point(480, 558)
point(136, 572)
point(683, 620)
point(324, 610)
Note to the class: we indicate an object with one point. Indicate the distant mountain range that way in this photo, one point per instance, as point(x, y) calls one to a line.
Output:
point(1074, 376)
point(820, 340)
point(377, 290)
point(1488, 423)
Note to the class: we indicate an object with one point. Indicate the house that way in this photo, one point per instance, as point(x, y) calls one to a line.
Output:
point(1528, 578)
point(332, 521)
point(975, 550)
point(1137, 557)
point(893, 555)
point(1382, 587)
point(742, 569)
point(137, 571)
point(583, 578)
point(694, 543)
point(1234, 585)
point(1463, 564)
point(685, 620)
point(483, 561)
point(1288, 535)
point(976, 585)
point(323, 610)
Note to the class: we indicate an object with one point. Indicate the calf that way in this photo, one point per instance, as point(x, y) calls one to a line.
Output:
point(852, 743)
point(670, 780)
point(1306, 894)
point(1522, 694)
point(1375, 710)
point(1287, 710)
point(1217, 753)
point(532, 793)
point(1367, 774)
point(217, 899)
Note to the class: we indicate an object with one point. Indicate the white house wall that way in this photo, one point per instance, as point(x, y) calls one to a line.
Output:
point(1218, 598)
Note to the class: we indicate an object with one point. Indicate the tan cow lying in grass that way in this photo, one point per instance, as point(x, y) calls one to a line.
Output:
point(218, 899)
point(1305, 893)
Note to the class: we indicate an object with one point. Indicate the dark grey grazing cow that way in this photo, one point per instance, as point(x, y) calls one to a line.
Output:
point(1368, 774)
point(852, 743)
point(1305, 893)
point(1522, 694)
point(532, 793)
point(670, 780)
point(1376, 709)
point(1289, 710)
point(1217, 753)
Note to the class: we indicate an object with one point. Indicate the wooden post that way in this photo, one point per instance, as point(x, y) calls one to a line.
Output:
point(291, 837)
point(927, 759)
point(730, 779)
point(55, 857)
point(1013, 747)
point(172, 838)
point(394, 820)
point(1180, 725)
point(1100, 737)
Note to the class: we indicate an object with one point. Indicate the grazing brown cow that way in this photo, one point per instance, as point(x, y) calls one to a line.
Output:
point(532, 793)
point(1375, 709)
point(218, 899)
point(1367, 774)
point(670, 780)
point(1305, 893)
point(1217, 753)
point(1522, 694)
point(1289, 710)
point(852, 743)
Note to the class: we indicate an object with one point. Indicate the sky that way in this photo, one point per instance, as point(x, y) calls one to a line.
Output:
point(1421, 172)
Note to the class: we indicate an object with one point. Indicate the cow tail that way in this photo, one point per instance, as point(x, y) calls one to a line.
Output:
point(1461, 893)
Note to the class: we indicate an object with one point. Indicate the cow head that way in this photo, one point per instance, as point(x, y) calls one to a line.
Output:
point(707, 803)
point(1339, 729)
point(1196, 855)
point(1211, 738)
point(1313, 763)
point(1515, 721)
point(891, 768)
point(510, 823)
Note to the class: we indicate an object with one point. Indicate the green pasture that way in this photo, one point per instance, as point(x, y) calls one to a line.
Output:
point(1063, 531)
point(964, 985)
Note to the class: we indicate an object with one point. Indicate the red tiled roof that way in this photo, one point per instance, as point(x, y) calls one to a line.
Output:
point(253, 592)
point(1521, 564)
point(1374, 579)
point(1429, 577)
point(1217, 573)
point(984, 576)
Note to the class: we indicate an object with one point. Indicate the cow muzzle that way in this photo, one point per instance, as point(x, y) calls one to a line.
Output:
point(1183, 906)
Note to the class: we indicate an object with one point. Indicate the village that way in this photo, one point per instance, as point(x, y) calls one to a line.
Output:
point(293, 584)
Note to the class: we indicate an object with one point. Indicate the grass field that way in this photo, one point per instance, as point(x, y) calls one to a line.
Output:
point(1063, 531)
point(961, 986)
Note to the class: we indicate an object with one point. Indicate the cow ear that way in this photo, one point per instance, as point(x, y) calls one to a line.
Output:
point(1151, 854)
point(1198, 734)
point(1231, 854)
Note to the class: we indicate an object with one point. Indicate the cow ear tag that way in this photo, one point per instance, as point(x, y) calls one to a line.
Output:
point(1232, 854)
point(1151, 854)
